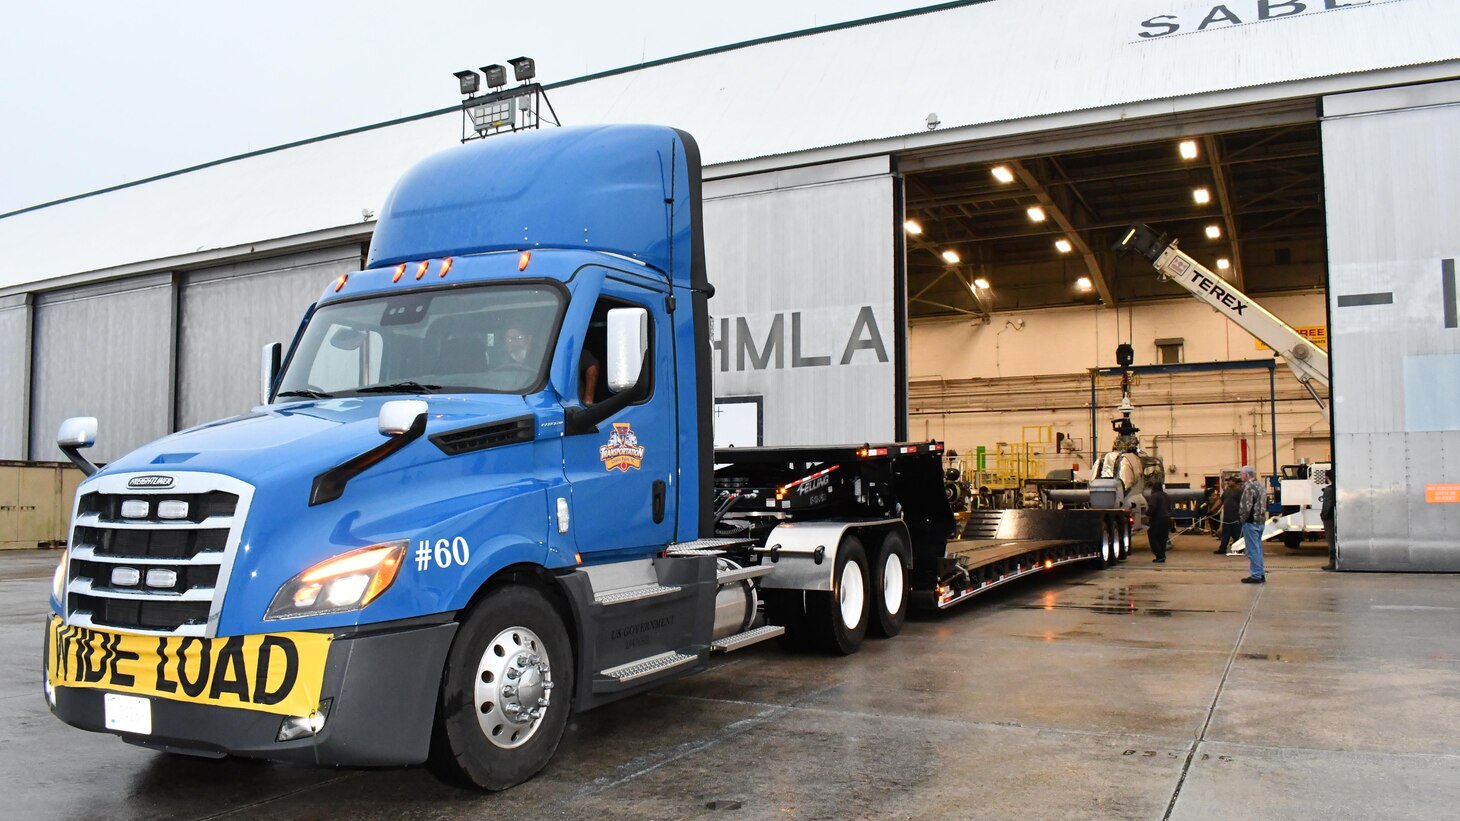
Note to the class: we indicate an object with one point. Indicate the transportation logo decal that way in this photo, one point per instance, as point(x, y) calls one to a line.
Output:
point(276, 673)
point(150, 481)
point(623, 450)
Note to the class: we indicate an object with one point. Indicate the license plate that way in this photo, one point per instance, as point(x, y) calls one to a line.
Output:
point(127, 714)
point(280, 673)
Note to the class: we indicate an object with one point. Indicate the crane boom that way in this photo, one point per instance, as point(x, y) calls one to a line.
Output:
point(1308, 361)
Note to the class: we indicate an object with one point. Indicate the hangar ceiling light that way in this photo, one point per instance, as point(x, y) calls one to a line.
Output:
point(951, 257)
point(1202, 195)
point(1063, 245)
point(912, 227)
point(1223, 264)
point(1083, 283)
point(1188, 149)
point(981, 284)
point(1036, 214)
point(1214, 232)
point(1003, 174)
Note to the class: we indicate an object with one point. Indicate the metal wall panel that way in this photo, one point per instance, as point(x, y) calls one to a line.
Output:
point(14, 375)
point(103, 351)
point(1391, 162)
point(804, 311)
point(228, 313)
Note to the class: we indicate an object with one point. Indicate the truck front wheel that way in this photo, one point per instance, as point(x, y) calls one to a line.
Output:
point(506, 690)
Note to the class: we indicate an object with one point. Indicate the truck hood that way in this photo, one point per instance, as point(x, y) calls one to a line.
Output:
point(275, 442)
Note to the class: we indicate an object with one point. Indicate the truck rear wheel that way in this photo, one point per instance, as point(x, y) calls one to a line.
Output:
point(840, 616)
point(506, 690)
point(889, 587)
point(1293, 540)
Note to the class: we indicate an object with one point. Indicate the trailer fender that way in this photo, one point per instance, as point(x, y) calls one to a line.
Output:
point(804, 553)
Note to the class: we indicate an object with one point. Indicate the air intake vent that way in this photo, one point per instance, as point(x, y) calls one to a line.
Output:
point(481, 437)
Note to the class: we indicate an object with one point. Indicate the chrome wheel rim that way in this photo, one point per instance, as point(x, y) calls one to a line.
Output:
point(514, 683)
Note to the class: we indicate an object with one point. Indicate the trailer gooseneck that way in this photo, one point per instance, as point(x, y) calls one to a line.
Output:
point(480, 494)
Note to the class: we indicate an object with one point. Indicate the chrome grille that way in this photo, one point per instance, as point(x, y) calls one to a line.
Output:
point(129, 568)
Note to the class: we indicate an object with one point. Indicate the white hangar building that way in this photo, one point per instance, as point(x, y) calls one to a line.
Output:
point(946, 181)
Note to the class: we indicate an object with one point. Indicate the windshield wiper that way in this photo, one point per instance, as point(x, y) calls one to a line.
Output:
point(305, 394)
point(400, 387)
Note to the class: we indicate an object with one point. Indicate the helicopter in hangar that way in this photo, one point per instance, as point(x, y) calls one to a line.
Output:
point(1123, 475)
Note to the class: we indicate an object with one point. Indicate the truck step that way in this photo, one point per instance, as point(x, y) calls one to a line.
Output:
point(740, 575)
point(703, 547)
point(624, 595)
point(730, 644)
point(646, 667)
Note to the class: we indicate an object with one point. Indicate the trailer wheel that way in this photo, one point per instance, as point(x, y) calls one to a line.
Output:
point(1293, 540)
point(1122, 530)
point(787, 608)
point(889, 587)
point(840, 616)
point(506, 690)
point(1107, 545)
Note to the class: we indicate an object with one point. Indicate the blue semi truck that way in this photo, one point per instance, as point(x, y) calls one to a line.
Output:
point(481, 493)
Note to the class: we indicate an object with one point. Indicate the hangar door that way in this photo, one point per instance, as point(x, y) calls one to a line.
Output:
point(230, 312)
point(1392, 160)
point(105, 351)
point(807, 313)
point(14, 375)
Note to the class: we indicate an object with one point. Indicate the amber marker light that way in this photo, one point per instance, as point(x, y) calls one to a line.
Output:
point(421, 269)
point(340, 283)
point(1048, 563)
point(523, 260)
point(445, 266)
point(400, 271)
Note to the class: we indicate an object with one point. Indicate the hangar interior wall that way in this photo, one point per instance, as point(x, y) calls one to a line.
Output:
point(973, 384)
point(804, 313)
point(1393, 248)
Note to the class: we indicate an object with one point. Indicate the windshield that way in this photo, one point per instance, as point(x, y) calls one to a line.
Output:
point(485, 339)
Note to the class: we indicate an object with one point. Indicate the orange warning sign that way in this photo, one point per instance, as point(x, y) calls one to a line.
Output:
point(1442, 494)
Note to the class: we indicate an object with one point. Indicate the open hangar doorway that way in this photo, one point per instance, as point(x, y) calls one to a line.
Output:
point(1013, 295)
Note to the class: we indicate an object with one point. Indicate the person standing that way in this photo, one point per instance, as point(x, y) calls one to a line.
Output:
point(1251, 514)
point(1325, 512)
point(1231, 528)
point(1158, 518)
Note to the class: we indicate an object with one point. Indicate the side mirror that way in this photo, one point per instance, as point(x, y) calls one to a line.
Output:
point(628, 339)
point(269, 370)
point(398, 416)
point(76, 433)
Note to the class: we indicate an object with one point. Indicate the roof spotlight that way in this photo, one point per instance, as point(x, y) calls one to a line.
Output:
point(523, 68)
point(469, 81)
point(951, 257)
point(981, 284)
point(496, 75)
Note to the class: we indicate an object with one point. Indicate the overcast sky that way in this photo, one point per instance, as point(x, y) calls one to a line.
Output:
point(98, 93)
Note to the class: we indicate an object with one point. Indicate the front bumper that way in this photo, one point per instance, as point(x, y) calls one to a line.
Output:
point(382, 681)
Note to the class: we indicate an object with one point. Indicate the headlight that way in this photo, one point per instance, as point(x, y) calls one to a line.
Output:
point(58, 584)
point(345, 582)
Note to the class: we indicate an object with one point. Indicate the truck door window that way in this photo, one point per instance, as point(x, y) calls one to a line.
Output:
point(592, 370)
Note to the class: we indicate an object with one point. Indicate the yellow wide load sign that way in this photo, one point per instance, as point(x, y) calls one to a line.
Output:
point(275, 673)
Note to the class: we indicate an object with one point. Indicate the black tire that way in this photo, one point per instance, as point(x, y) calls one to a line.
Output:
point(1293, 540)
point(787, 608)
point(1108, 545)
point(825, 609)
point(887, 621)
point(512, 623)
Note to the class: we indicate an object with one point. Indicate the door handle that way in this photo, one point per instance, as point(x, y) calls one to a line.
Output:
point(658, 496)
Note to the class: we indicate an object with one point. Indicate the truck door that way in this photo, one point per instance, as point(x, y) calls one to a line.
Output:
point(622, 476)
